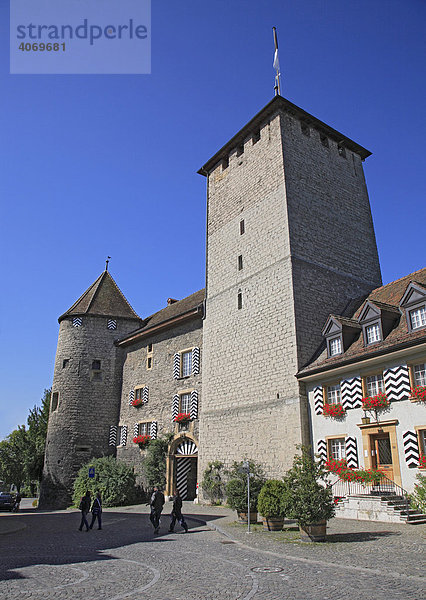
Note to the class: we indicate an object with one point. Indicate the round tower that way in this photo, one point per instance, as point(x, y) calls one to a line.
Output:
point(86, 386)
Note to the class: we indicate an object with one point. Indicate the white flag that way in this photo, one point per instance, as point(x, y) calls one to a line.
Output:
point(276, 61)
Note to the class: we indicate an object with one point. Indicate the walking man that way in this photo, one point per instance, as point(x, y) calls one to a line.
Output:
point(156, 503)
point(177, 513)
point(97, 511)
point(84, 507)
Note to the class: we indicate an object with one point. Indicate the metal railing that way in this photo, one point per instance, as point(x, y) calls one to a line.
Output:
point(383, 487)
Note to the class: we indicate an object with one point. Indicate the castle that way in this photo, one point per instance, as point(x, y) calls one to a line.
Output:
point(290, 240)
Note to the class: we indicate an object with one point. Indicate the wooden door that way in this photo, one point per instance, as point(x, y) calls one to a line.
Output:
point(381, 451)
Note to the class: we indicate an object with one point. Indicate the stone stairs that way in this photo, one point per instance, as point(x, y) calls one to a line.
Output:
point(383, 508)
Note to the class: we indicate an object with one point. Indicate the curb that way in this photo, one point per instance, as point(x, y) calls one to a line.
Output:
point(211, 525)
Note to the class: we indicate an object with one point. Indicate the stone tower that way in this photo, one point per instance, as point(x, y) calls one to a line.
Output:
point(86, 386)
point(290, 239)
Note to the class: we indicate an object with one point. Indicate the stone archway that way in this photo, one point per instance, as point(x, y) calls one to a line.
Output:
point(182, 467)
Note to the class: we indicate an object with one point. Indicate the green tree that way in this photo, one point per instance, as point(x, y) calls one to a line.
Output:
point(37, 431)
point(213, 485)
point(154, 464)
point(114, 479)
point(14, 455)
point(305, 499)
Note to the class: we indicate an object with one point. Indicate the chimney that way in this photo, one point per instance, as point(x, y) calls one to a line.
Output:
point(171, 301)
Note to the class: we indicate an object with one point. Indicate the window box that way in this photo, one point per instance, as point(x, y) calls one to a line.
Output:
point(183, 418)
point(335, 411)
point(137, 402)
point(418, 393)
point(142, 440)
point(378, 402)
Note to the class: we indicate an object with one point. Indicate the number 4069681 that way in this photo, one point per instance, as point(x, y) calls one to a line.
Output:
point(42, 47)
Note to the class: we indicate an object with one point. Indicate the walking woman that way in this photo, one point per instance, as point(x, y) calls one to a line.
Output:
point(84, 507)
point(97, 511)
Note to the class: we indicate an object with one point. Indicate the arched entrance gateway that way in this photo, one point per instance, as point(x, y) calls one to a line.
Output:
point(182, 467)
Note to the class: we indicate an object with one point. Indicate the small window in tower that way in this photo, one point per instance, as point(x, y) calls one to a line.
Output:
point(225, 163)
point(96, 365)
point(112, 324)
point(240, 150)
point(149, 348)
point(240, 300)
point(256, 137)
point(324, 140)
point(341, 150)
point(65, 363)
point(240, 262)
point(149, 362)
point(55, 401)
point(305, 128)
point(242, 227)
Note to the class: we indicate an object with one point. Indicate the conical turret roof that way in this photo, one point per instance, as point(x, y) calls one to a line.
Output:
point(103, 298)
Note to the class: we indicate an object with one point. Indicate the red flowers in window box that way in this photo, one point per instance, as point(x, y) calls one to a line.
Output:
point(378, 402)
point(345, 473)
point(182, 418)
point(419, 392)
point(422, 462)
point(142, 440)
point(137, 402)
point(333, 410)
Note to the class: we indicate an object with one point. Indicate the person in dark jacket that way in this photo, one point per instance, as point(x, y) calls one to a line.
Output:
point(156, 503)
point(84, 507)
point(176, 513)
point(97, 511)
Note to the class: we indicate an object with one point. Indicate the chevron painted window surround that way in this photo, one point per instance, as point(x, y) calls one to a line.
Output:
point(336, 448)
point(333, 394)
point(186, 363)
point(374, 384)
point(143, 429)
point(419, 374)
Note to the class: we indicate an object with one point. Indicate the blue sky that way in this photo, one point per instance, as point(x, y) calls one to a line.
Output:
point(98, 165)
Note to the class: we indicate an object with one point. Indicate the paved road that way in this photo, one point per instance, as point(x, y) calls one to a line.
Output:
point(50, 559)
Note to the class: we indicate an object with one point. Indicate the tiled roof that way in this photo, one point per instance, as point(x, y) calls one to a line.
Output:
point(168, 314)
point(102, 298)
point(386, 297)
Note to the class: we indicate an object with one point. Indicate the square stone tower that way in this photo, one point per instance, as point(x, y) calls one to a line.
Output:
point(290, 239)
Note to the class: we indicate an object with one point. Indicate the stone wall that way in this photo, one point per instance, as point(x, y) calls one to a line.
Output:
point(161, 383)
point(308, 247)
point(88, 402)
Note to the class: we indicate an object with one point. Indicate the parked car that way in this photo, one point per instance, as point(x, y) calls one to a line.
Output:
point(7, 501)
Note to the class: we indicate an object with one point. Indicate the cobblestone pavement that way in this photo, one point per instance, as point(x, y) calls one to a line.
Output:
point(50, 559)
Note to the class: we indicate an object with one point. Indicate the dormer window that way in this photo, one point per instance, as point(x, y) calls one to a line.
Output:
point(377, 320)
point(418, 317)
point(413, 303)
point(335, 346)
point(339, 333)
point(372, 333)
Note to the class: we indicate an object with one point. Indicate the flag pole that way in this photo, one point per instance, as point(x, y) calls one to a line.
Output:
point(277, 86)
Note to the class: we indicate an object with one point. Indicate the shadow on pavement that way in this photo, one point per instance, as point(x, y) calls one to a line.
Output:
point(54, 538)
point(359, 536)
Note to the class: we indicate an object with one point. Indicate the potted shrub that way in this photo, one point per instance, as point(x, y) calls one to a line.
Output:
point(236, 490)
point(305, 499)
point(269, 504)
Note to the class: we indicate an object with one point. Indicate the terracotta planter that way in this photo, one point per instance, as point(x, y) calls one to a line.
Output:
point(272, 523)
point(242, 517)
point(314, 532)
